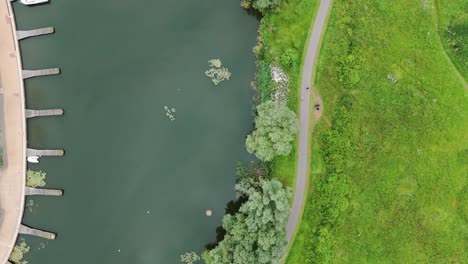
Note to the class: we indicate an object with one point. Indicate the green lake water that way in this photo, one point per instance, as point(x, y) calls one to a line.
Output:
point(122, 62)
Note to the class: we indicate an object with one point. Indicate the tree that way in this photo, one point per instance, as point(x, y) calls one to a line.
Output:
point(289, 58)
point(275, 127)
point(260, 5)
point(257, 233)
point(251, 175)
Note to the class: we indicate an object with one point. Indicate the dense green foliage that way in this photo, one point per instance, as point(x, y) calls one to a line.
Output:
point(262, 82)
point(257, 233)
point(250, 175)
point(275, 129)
point(332, 192)
point(388, 180)
point(453, 29)
point(260, 5)
point(289, 58)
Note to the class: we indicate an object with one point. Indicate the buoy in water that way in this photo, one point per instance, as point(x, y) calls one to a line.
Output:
point(209, 212)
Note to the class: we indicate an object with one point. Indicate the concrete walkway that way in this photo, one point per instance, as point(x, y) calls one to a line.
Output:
point(305, 130)
point(13, 173)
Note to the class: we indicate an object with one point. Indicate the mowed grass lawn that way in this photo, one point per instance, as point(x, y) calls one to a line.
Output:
point(389, 169)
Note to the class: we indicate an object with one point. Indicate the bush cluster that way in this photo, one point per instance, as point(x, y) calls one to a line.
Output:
point(275, 129)
point(333, 190)
point(260, 5)
point(254, 227)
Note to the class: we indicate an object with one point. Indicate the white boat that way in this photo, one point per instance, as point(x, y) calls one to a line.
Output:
point(34, 159)
point(33, 2)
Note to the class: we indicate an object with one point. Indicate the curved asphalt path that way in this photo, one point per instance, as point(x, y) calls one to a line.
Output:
point(303, 163)
point(13, 172)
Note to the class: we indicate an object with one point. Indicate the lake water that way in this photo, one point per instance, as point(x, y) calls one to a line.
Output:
point(136, 184)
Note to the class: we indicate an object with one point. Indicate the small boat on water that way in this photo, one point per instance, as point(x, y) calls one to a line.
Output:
point(33, 2)
point(34, 159)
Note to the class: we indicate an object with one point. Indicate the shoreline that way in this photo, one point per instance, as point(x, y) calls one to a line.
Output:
point(13, 174)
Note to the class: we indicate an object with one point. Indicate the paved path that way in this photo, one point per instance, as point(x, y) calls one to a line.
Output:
point(13, 173)
point(303, 163)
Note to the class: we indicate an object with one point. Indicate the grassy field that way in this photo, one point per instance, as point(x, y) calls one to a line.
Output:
point(388, 175)
point(287, 28)
point(452, 18)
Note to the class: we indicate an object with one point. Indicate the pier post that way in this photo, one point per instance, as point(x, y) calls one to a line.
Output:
point(36, 73)
point(22, 34)
point(26, 230)
point(45, 192)
point(30, 113)
point(44, 152)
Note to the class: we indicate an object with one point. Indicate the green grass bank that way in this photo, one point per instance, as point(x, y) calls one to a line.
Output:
point(284, 30)
point(390, 155)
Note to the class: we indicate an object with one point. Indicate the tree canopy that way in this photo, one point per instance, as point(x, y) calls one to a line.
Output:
point(260, 5)
point(275, 127)
point(257, 233)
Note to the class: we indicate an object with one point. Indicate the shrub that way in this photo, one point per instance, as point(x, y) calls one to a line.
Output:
point(275, 128)
point(262, 82)
point(260, 5)
point(289, 58)
point(257, 234)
